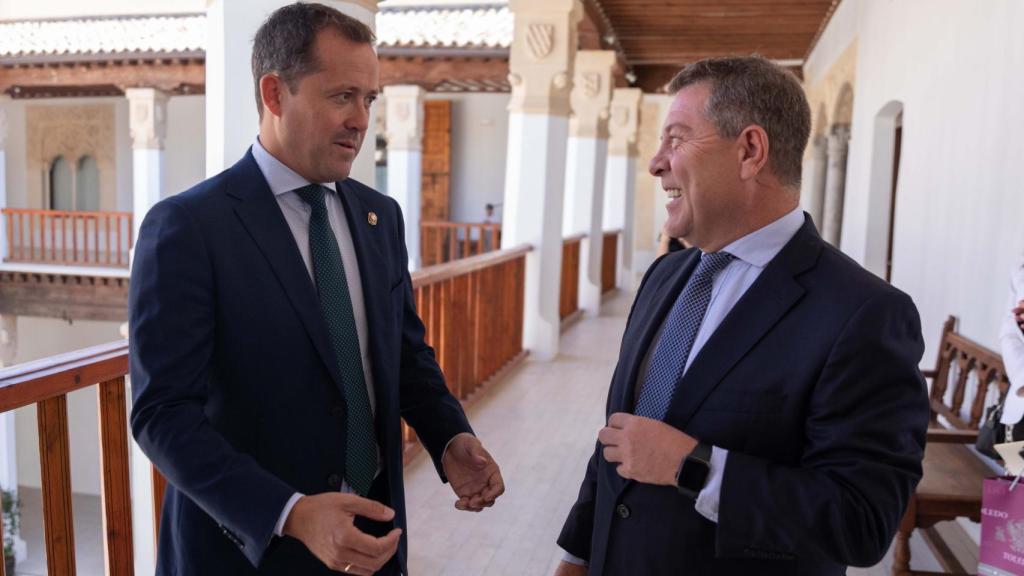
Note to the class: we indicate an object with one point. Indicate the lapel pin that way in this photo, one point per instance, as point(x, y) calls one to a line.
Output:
point(372, 218)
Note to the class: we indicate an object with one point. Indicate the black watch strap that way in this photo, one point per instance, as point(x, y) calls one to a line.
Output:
point(693, 471)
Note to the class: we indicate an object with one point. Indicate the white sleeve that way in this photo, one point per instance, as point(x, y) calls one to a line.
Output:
point(708, 499)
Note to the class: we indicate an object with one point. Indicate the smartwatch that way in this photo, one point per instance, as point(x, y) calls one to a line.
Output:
point(693, 471)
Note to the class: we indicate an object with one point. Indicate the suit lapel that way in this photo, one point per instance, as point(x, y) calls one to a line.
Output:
point(766, 302)
point(262, 218)
point(649, 320)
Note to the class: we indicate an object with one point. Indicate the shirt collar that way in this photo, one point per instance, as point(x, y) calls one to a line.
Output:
point(281, 178)
point(760, 246)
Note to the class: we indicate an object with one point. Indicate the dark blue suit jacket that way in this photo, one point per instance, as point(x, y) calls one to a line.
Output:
point(237, 397)
point(811, 383)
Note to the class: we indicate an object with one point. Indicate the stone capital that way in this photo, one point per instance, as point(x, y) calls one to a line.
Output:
point(147, 117)
point(591, 93)
point(404, 117)
point(624, 122)
point(542, 55)
point(839, 139)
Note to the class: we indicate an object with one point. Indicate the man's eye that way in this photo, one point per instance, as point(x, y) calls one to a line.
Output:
point(344, 97)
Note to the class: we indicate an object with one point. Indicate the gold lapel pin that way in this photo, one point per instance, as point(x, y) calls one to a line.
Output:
point(372, 218)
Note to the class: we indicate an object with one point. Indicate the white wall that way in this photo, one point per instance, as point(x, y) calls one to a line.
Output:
point(42, 337)
point(956, 66)
point(185, 147)
point(23, 10)
point(479, 142)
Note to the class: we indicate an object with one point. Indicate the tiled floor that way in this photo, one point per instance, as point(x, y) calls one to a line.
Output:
point(540, 424)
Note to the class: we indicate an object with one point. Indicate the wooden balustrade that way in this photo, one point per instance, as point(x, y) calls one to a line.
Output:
point(609, 260)
point(46, 383)
point(569, 296)
point(62, 237)
point(473, 313)
point(442, 242)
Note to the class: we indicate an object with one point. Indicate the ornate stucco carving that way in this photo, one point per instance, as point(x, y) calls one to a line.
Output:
point(625, 121)
point(592, 91)
point(147, 118)
point(404, 111)
point(542, 55)
point(73, 132)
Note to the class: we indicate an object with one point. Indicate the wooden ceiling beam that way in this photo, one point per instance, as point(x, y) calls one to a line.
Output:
point(168, 76)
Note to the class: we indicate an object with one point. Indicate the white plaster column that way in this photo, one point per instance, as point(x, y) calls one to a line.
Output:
point(835, 184)
point(405, 159)
point(8, 432)
point(5, 102)
point(147, 120)
point(813, 186)
point(620, 182)
point(232, 120)
point(541, 69)
point(585, 167)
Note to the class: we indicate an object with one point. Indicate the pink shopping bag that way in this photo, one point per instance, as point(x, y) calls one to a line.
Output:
point(1002, 528)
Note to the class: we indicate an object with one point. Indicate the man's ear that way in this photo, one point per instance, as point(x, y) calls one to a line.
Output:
point(271, 91)
point(752, 151)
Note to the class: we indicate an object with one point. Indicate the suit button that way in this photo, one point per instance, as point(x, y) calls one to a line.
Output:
point(623, 511)
point(338, 411)
point(334, 481)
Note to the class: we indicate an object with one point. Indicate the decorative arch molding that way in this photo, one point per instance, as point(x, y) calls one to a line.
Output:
point(74, 133)
point(843, 112)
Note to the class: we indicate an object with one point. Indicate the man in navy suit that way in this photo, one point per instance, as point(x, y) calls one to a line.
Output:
point(766, 415)
point(274, 341)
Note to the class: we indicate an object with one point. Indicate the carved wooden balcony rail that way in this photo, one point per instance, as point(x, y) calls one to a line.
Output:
point(68, 237)
point(442, 242)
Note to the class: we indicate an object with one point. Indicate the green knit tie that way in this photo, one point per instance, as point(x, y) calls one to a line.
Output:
point(336, 306)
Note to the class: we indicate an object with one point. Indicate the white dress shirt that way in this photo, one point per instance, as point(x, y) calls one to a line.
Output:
point(752, 253)
point(283, 182)
point(1011, 343)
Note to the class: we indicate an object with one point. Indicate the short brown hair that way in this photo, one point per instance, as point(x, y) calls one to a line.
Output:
point(751, 90)
point(284, 43)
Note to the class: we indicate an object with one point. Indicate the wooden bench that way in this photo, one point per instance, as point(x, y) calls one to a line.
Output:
point(952, 482)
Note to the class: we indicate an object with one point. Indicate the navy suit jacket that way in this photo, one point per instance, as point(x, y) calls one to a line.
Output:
point(811, 383)
point(237, 397)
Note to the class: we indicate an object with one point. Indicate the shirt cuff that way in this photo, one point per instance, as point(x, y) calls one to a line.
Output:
point(574, 560)
point(707, 500)
point(279, 528)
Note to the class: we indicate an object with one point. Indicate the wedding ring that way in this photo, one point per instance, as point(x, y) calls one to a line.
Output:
point(347, 567)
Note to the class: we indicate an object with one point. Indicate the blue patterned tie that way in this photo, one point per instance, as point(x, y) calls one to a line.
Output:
point(336, 307)
point(677, 337)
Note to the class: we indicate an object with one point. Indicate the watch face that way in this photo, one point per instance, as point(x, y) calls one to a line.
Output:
point(692, 475)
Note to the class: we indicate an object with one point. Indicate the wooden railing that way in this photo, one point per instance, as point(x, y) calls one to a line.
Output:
point(473, 313)
point(442, 242)
point(46, 383)
point(569, 296)
point(609, 260)
point(69, 238)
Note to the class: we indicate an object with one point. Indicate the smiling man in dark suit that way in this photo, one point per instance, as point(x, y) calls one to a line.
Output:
point(766, 415)
point(274, 341)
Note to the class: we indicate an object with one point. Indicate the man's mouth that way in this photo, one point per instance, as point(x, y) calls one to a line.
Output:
point(347, 144)
point(673, 193)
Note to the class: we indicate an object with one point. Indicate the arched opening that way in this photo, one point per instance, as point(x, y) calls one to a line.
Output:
point(62, 186)
point(885, 163)
point(838, 143)
point(87, 185)
point(815, 170)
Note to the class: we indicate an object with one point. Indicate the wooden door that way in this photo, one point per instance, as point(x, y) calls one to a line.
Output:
point(436, 178)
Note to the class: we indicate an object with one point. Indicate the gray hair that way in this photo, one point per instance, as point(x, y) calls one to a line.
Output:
point(285, 42)
point(751, 90)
